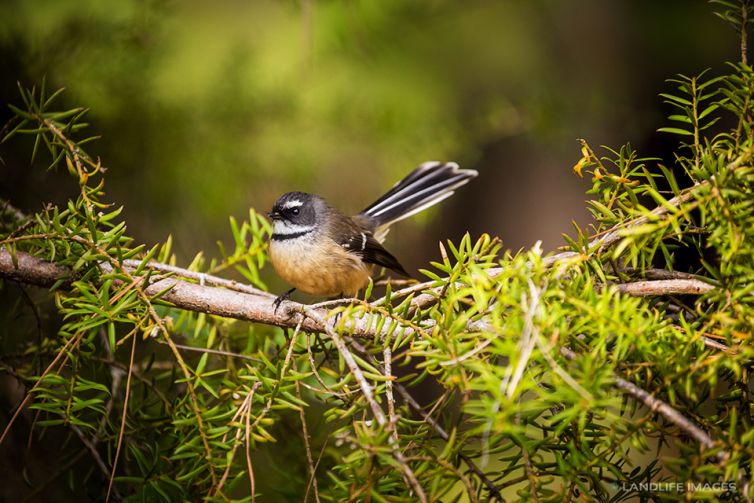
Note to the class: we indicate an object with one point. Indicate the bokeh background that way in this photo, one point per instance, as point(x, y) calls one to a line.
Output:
point(208, 108)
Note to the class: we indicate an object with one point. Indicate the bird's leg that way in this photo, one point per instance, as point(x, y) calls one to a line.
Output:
point(280, 298)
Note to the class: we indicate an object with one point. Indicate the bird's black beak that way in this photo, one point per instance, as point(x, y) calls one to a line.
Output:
point(275, 215)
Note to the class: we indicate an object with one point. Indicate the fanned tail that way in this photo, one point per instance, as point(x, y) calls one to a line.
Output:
point(426, 186)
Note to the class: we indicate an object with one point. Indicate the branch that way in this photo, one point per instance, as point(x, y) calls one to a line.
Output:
point(659, 273)
point(665, 287)
point(189, 296)
point(246, 303)
point(202, 278)
point(609, 237)
point(123, 417)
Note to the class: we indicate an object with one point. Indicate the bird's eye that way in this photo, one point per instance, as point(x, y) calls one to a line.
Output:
point(295, 211)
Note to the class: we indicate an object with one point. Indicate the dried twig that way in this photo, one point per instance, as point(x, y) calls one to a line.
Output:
point(91, 446)
point(217, 352)
point(247, 450)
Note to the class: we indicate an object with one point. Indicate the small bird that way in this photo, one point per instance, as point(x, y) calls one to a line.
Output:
point(321, 251)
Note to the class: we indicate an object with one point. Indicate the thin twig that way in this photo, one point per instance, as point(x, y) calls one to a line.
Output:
point(118, 369)
point(35, 311)
point(455, 471)
point(247, 445)
point(528, 468)
point(73, 342)
point(529, 337)
point(279, 380)
point(315, 371)
point(122, 420)
point(92, 448)
point(453, 362)
point(387, 357)
point(244, 409)
point(744, 28)
point(351, 363)
point(312, 482)
point(217, 352)
point(193, 398)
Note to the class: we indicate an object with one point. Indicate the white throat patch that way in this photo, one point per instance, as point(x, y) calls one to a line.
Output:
point(286, 228)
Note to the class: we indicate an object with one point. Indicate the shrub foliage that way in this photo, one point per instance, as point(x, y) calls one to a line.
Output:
point(622, 360)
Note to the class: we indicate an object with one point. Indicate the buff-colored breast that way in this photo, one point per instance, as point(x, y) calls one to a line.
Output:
point(319, 269)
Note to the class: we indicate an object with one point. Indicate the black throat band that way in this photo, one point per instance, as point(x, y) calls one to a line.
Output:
point(293, 235)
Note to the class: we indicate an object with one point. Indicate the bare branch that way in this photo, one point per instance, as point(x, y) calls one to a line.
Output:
point(665, 287)
point(203, 299)
point(202, 278)
point(387, 355)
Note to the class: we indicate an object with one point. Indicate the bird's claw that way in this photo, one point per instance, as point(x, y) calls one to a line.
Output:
point(280, 298)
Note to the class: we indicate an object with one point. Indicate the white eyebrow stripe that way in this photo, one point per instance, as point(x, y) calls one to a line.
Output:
point(295, 203)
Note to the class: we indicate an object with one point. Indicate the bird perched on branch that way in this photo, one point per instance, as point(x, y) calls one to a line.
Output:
point(321, 251)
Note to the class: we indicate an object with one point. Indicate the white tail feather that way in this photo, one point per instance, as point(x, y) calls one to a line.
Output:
point(427, 185)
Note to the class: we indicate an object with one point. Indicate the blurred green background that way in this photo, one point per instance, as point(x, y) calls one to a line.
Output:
point(206, 109)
